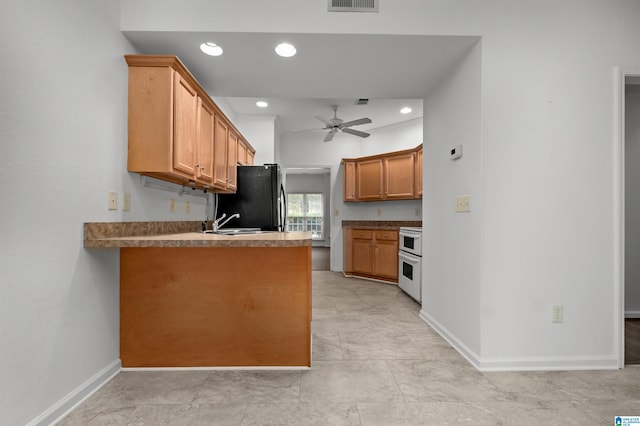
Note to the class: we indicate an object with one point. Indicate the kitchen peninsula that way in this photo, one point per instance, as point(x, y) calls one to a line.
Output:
point(189, 299)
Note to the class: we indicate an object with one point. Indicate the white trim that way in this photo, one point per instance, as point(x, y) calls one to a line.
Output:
point(521, 363)
point(63, 407)
point(234, 368)
point(619, 75)
point(632, 314)
point(473, 358)
point(618, 215)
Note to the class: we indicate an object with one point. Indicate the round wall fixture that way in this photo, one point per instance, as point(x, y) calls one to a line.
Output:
point(285, 50)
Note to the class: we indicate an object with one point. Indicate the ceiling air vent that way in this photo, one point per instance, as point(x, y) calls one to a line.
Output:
point(353, 5)
point(362, 101)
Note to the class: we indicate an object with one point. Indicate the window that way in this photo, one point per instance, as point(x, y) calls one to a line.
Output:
point(305, 213)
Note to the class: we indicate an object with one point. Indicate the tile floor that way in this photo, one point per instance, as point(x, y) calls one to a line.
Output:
point(374, 363)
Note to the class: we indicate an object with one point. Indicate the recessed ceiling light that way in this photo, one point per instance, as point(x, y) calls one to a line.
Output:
point(405, 110)
point(285, 50)
point(262, 104)
point(211, 49)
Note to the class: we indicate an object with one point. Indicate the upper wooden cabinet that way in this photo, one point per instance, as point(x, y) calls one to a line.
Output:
point(349, 180)
point(245, 153)
point(418, 170)
point(369, 179)
point(390, 176)
point(176, 132)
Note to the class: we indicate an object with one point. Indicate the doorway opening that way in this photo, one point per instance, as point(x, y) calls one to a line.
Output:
point(631, 212)
point(309, 199)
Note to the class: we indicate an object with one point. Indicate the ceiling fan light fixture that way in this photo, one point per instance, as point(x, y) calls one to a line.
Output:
point(405, 110)
point(211, 49)
point(286, 50)
point(262, 104)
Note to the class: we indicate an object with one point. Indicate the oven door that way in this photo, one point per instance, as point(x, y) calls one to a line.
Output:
point(410, 274)
point(410, 241)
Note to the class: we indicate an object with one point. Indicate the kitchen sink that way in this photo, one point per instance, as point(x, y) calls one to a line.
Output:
point(236, 231)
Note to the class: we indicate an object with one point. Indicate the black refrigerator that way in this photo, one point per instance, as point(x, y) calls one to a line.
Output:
point(260, 199)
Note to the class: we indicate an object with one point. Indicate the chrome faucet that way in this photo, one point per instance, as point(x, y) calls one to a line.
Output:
point(217, 225)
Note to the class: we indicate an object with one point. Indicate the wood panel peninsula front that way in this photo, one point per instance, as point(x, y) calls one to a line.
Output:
point(189, 299)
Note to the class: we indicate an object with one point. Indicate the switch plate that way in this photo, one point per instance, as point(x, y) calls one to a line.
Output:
point(379, 212)
point(113, 201)
point(557, 315)
point(126, 202)
point(172, 205)
point(463, 203)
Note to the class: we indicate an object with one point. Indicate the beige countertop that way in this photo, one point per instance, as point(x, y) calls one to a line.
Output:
point(181, 234)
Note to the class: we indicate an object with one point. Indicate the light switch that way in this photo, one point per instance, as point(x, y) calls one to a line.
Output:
point(463, 203)
point(172, 205)
point(187, 207)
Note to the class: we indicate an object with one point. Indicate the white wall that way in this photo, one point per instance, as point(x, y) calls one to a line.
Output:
point(63, 127)
point(260, 132)
point(632, 201)
point(451, 286)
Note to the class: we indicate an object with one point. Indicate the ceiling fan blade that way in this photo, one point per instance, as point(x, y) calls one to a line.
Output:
point(355, 122)
point(324, 121)
point(356, 133)
point(317, 129)
point(329, 136)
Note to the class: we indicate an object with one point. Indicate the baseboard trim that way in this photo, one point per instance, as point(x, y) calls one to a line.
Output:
point(521, 363)
point(632, 314)
point(62, 408)
point(263, 368)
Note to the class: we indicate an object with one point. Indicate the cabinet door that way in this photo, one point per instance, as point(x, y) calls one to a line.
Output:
point(220, 153)
point(250, 156)
point(419, 173)
point(204, 151)
point(349, 180)
point(242, 153)
point(362, 255)
point(369, 179)
point(362, 251)
point(386, 254)
point(347, 250)
point(399, 176)
point(184, 126)
point(232, 160)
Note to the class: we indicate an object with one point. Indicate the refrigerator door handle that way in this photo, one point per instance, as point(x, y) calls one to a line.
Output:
point(283, 210)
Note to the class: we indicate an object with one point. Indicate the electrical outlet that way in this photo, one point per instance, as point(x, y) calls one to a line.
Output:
point(113, 201)
point(557, 315)
point(417, 212)
point(187, 207)
point(126, 202)
point(172, 205)
point(463, 203)
point(379, 212)
point(336, 213)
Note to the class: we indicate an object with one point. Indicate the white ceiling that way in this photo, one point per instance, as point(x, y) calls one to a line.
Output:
point(391, 71)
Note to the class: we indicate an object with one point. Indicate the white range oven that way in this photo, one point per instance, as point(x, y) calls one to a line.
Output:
point(410, 262)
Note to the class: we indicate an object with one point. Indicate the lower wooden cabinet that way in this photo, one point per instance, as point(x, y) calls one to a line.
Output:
point(371, 253)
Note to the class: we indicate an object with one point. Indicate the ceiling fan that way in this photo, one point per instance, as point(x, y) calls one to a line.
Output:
point(335, 124)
